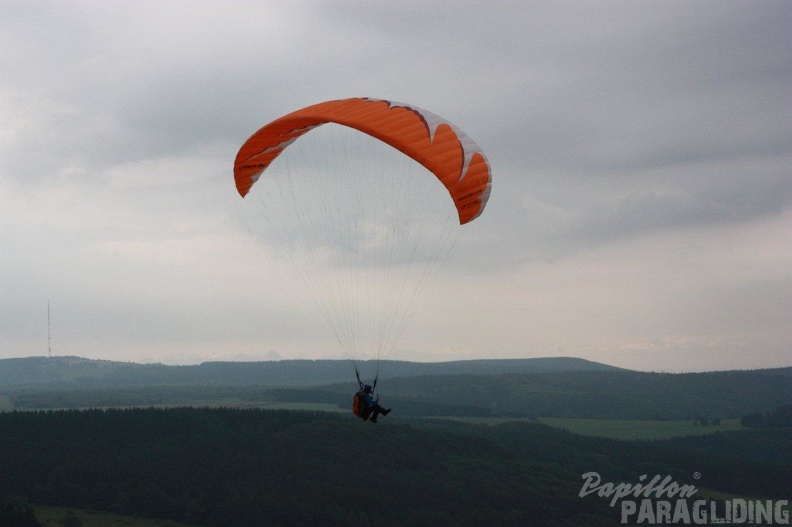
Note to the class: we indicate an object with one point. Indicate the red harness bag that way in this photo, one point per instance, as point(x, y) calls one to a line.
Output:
point(359, 407)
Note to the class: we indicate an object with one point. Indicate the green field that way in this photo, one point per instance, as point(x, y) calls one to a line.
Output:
point(266, 405)
point(317, 407)
point(6, 405)
point(612, 428)
point(70, 516)
point(623, 429)
point(618, 428)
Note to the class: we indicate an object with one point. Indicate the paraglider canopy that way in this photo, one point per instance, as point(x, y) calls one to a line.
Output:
point(365, 239)
point(436, 144)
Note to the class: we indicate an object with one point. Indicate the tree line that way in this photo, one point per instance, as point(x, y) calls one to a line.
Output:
point(781, 417)
point(254, 467)
point(703, 397)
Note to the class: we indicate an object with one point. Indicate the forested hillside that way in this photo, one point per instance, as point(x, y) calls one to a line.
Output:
point(606, 394)
point(226, 467)
point(574, 394)
point(67, 371)
point(253, 467)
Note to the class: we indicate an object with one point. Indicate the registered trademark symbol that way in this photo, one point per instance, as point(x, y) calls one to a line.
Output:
point(697, 475)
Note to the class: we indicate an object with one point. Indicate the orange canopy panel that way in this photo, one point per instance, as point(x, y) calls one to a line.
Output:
point(443, 149)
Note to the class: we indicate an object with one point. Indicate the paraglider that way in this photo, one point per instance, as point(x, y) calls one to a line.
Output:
point(365, 406)
point(363, 221)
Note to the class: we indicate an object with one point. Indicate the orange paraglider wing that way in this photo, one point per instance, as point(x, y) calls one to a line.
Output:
point(443, 149)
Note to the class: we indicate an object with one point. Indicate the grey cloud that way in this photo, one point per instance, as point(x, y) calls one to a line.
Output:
point(607, 125)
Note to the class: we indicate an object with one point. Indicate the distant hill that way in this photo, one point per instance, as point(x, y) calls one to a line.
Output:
point(60, 371)
point(606, 394)
point(561, 387)
point(620, 394)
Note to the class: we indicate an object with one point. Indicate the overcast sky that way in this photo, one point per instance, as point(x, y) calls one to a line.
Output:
point(641, 211)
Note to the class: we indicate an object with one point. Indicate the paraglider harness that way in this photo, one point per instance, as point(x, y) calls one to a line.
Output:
point(359, 406)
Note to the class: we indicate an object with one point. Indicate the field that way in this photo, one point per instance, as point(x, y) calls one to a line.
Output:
point(622, 429)
point(6, 405)
point(265, 405)
point(612, 428)
point(58, 516)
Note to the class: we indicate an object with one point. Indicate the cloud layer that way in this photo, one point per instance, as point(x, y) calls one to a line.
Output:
point(642, 197)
